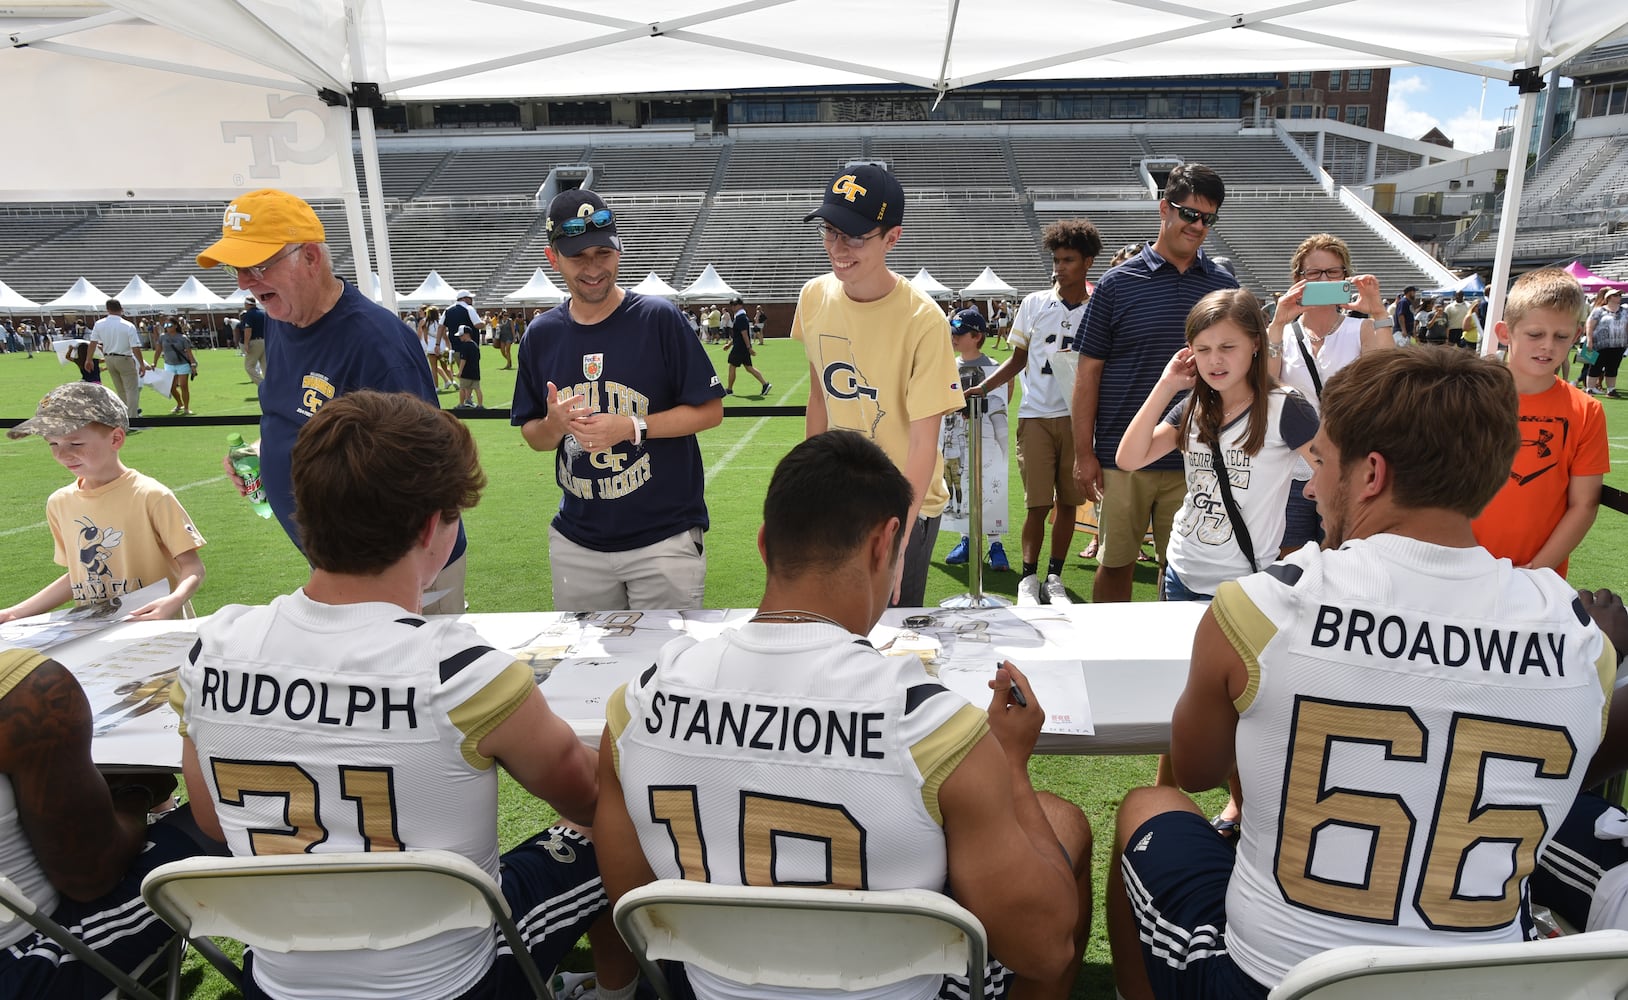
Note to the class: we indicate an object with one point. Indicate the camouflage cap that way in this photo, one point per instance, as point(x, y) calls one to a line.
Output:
point(69, 407)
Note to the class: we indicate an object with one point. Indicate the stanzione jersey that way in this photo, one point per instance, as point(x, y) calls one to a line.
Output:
point(880, 365)
point(325, 728)
point(1416, 724)
point(783, 754)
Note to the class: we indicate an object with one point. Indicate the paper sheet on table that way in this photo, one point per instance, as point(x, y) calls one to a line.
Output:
point(1058, 684)
point(54, 628)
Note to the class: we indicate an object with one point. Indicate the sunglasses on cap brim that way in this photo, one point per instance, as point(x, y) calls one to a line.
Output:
point(578, 225)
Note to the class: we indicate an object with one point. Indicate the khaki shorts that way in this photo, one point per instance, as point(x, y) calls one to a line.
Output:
point(1129, 500)
point(1046, 462)
point(469, 383)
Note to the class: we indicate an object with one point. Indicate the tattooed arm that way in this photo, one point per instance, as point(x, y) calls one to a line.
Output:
point(83, 836)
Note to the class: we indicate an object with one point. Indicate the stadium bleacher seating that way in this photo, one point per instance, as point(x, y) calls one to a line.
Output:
point(464, 206)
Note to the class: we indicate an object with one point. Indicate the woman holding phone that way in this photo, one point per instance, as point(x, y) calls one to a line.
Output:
point(1325, 319)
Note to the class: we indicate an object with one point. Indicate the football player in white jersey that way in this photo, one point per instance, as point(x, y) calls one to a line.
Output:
point(1410, 717)
point(789, 751)
point(340, 718)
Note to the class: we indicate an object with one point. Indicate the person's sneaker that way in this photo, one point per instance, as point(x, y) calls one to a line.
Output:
point(767, 387)
point(997, 558)
point(959, 554)
point(729, 392)
point(574, 986)
point(1612, 394)
point(1054, 592)
point(1028, 594)
point(175, 412)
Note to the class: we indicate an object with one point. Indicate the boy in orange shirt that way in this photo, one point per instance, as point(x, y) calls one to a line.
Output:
point(1553, 492)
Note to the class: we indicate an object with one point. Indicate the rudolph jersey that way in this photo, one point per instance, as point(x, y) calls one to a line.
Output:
point(17, 860)
point(880, 366)
point(1416, 724)
point(323, 728)
point(784, 754)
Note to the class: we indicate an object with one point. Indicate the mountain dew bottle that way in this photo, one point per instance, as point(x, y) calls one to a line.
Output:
point(247, 466)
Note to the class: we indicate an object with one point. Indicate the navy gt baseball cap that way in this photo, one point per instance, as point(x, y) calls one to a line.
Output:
point(969, 321)
point(581, 209)
point(860, 198)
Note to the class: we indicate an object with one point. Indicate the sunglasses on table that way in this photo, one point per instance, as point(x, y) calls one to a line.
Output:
point(579, 224)
point(1192, 215)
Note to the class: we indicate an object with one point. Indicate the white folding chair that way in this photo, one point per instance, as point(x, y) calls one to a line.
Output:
point(1591, 966)
point(834, 939)
point(12, 898)
point(331, 902)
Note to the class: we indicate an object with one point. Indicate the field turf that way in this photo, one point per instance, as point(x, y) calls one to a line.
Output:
point(250, 561)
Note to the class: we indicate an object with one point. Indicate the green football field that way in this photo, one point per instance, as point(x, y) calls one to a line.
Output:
point(249, 560)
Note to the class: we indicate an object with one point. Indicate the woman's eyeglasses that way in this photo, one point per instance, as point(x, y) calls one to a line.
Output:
point(1324, 274)
point(1192, 215)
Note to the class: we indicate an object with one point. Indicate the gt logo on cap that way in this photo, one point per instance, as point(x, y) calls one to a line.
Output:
point(848, 187)
point(234, 219)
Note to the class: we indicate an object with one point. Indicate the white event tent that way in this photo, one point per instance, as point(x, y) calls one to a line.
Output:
point(260, 92)
point(925, 282)
point(194, 295)
point(432, 291)
point(83, 297)
point(12, 301)
point(538, 290)
point(138, 297)
point(709, 287)
point(988, 285)
point(654, 286)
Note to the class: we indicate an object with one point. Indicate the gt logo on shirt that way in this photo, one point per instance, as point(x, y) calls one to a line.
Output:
point(318, 390)
point(842, 382)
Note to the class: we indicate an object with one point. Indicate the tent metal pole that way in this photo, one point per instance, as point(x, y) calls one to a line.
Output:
point(1514, 181)
point(33, 36)
point(375, 204)
point(225, 76)
point(355, 222)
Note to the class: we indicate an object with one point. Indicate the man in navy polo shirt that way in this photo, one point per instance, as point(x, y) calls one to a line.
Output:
point(615, 384)
point(324, 338)
point(251, 331)
point(1133, 325)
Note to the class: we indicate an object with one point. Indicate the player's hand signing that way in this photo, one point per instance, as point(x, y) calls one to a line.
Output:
point(1015, 714)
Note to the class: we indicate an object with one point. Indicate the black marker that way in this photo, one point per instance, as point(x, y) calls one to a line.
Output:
point(1017, 692)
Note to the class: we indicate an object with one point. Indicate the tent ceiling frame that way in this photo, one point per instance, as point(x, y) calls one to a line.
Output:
point(225, 76)
point(44, 32)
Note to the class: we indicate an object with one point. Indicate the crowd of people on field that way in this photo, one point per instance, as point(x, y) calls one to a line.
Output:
point(1391, 674)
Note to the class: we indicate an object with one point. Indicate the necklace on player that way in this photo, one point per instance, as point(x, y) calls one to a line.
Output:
point(792, 616)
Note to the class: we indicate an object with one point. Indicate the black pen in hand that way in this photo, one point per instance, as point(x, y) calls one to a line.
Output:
point(1017, 692)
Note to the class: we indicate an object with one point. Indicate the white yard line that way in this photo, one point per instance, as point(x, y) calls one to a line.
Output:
point(44, 524)
point(751, 432)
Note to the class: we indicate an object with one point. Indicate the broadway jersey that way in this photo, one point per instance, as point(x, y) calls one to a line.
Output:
point(1416, 724)
point(641, 359)
point(325, 728)
point(781, 754)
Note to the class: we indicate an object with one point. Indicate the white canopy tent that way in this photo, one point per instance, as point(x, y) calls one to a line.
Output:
point(538, 290)
point(653, 285)
point(709, 287)
point(195, 295)
point(378, 287)
point(988, 285)
point(83, 297)
point(432, 291)
point(138, 297)
point(255, 91)
point(12, 301)
point(934, 288)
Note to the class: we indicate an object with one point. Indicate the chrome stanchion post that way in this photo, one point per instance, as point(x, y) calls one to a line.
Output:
point(977, 409)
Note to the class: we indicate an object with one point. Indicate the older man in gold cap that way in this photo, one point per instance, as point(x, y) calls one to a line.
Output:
point(324, 338)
